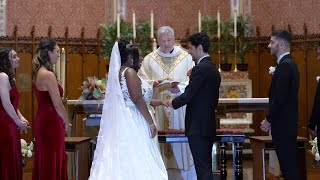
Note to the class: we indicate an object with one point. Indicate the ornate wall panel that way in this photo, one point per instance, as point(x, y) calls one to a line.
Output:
point(281, 13)
point(59, 14)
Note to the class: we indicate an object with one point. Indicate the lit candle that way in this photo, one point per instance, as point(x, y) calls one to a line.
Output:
point(199, 21)
point(63, 68)
point(118, 25)
point(235, 22)
point(151, 25)
point(134, 24)
point(218, 23)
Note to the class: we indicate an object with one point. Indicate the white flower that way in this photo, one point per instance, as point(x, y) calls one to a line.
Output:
point(31, 146)
point(317, 157)
point(314, 149)
point(272, 69)
point(23, 143)
point(317, 78)
point(29, 154)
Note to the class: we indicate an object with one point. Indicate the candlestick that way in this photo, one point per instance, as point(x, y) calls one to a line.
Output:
point(218, 23)
point(235, 22)
point(63, 69)
point(118, 25)
point(219, 52)
point(134, 24)
point(151, 31)
point(199, 21)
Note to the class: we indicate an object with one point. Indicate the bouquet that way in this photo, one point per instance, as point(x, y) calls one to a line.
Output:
point(93, 88)
point(314, 149)
point(26, 151)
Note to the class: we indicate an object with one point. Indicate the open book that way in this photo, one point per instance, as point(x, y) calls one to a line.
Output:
point(166, 84)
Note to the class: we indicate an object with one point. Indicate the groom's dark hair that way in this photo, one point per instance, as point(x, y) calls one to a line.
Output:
point(202, 39)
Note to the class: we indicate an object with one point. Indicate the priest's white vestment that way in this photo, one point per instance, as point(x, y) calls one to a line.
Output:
point(173, 66)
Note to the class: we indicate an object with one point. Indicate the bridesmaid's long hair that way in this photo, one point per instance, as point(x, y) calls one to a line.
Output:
point(6, 66)
point(42, 57)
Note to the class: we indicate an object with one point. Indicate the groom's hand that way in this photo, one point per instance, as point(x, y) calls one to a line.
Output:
point(169, 102)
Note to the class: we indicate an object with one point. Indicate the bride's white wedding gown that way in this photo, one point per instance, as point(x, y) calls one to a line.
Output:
point(125, 150)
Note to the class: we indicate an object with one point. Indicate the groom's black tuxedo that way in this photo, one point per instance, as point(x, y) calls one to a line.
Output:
point(201, 97)
point(283, 114)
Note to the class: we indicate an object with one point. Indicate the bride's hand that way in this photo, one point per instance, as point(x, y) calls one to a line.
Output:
point(153, 130)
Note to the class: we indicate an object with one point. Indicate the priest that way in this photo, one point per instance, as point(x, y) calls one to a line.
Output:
point(170, 63)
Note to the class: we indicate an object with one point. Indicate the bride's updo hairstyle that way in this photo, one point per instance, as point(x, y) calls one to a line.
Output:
point(124, 51)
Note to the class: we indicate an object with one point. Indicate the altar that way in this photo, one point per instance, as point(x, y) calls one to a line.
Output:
point(225, 106)
point(235, 85)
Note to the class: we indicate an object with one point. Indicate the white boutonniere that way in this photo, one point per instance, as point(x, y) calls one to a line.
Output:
point(272, 69)
point(317, 78)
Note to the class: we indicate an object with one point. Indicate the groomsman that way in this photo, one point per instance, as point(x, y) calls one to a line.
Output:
point(282, 118)
point(314, 122)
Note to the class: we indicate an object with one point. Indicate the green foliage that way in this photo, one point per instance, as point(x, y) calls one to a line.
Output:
point(110, 36)
point(209, 26)
point(227, 40)
point(143, 38)
point(244, 31)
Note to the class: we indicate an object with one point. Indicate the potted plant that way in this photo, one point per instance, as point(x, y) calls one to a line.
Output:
point(143, 38)
point(110, 36)
point(244, 31)
point(209, 26)
point(227, 41)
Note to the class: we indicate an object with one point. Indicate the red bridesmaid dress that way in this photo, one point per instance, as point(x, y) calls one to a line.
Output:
point(50, 161)
point(10, 147)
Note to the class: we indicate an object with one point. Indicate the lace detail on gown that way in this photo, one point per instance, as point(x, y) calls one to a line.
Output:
point(145, 87)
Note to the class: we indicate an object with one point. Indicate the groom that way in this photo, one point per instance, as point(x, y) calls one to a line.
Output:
point(201, 97)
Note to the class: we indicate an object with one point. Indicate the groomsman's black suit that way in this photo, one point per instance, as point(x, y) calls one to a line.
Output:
point(315, 115)
point(283, 115)
point(201, 97)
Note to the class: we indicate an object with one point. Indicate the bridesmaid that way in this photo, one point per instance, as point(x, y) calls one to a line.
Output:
point(11, 120)
point(51, 122)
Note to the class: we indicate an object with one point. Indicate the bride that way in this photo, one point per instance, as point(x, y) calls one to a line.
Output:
point(126, 148)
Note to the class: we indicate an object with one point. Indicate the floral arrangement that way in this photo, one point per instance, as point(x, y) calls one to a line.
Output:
point(314, 149)
point(26, 151)
point(272, 70)
point(93, 88)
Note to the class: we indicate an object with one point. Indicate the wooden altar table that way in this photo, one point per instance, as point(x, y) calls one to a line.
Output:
point(225, 105)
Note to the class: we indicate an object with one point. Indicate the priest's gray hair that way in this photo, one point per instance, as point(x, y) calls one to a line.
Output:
point(165, 29)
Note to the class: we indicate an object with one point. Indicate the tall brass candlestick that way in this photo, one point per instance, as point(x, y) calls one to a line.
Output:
point(235, 54)
point(219, 52)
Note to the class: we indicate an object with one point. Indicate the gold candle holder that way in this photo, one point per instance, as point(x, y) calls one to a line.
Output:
point(153, 43)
